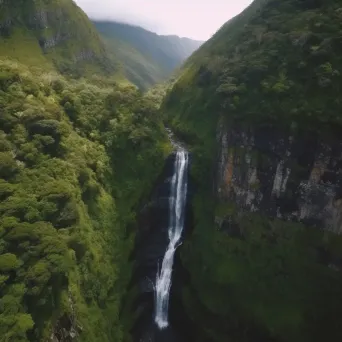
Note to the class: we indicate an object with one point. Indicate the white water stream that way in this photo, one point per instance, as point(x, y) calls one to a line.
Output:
point(177, 201)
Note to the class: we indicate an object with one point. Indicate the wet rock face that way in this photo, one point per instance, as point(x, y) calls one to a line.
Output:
point(151, 242)
point(150, 246)
point(289, 176)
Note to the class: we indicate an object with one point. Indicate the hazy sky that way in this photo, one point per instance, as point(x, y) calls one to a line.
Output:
point(197, 19)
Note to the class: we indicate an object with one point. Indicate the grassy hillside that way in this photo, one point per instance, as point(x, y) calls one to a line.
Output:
point(147, 58)
point(52, 34)
point(275, 66)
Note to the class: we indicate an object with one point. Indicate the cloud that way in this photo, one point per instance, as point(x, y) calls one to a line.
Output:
point(197, 19)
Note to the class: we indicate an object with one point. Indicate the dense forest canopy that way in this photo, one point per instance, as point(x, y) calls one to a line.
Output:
point(76, 157)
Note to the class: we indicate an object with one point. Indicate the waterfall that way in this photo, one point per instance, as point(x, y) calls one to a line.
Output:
point(177, 201)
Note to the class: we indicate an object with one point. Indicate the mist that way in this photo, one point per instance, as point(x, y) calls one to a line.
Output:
point(186, 18)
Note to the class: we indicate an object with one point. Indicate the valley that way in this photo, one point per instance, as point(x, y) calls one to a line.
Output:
point(168, 189)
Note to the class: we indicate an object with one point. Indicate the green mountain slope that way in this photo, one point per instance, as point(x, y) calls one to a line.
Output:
point(147, 58)
point(76, 158)
point(52, 33)
point(260, 107)
point(70, 182)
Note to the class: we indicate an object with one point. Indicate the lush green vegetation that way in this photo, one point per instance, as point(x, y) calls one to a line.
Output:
point(147, 58)
point(271, 283)
point(31, 33)
point(76, 157)
point(286, 54)
point(278, 63)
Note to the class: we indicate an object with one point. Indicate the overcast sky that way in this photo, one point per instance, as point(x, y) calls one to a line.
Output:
point(197, 19)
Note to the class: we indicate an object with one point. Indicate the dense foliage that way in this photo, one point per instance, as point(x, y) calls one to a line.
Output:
point(75, 159)
point(276, 64)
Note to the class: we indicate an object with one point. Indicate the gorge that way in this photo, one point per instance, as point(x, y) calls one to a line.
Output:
point(163, 223)
point(113, 230)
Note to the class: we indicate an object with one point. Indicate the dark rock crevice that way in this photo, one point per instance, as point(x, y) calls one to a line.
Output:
point(150, 246)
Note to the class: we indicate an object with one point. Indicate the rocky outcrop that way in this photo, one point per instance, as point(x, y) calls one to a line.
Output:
point(54, 24)
point(66, 329)
point(42, 20)
point(291, 176)
point(47, 43)
point(84, 55)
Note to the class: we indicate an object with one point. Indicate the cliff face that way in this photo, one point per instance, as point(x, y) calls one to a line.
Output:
point(294, 176)
point(259, 106)
point(56, 28)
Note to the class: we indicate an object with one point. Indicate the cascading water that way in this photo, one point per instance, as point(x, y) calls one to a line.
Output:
point(177, 201)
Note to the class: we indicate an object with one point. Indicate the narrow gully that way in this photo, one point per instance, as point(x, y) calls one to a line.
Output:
point(177, 202)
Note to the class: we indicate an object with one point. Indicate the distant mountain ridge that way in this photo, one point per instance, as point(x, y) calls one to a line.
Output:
point(58, 35)
point(147, 57)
